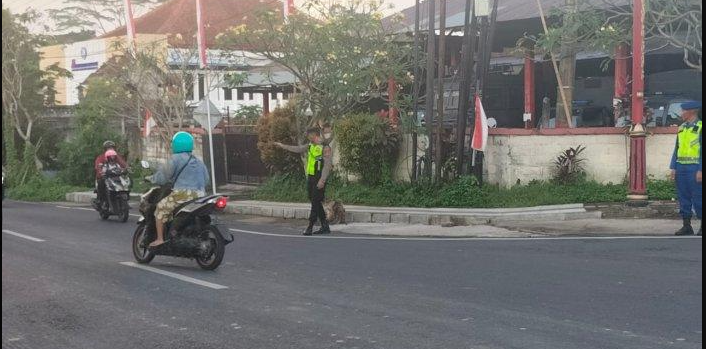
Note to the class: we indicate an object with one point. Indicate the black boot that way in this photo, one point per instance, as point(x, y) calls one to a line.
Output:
point(686, 229)
point(309, 230)
point(324, 228)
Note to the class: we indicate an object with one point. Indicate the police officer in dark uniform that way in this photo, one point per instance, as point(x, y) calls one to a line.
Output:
point(318, 168)
point(686, 166)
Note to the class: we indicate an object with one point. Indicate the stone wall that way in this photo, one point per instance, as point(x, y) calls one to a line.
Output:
point(154, 149)
point(525, 155)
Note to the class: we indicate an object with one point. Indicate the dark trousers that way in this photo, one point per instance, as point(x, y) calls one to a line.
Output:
point(101, 191)
point(688, 191)
point(316, 196)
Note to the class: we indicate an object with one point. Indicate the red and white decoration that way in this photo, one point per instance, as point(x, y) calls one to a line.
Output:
point(480, 131)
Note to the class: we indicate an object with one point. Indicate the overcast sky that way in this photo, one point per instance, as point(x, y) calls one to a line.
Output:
point(18, 6)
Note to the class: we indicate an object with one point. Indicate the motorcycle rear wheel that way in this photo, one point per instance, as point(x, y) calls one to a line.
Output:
point(139, 245)
point(212, 236)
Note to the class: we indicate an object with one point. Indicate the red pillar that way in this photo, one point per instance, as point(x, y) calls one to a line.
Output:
point(638, 175)
point(529, 90)
point(265, 103)
point(392, 94)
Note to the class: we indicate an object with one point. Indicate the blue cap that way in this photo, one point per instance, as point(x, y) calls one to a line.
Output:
point(691, 105)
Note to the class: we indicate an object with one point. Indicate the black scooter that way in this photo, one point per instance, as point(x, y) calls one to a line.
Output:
point(118, 184)
point(190, 234)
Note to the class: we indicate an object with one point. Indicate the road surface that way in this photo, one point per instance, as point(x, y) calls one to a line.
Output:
point(68, 281)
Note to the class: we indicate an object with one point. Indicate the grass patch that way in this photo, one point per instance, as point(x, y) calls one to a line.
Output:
point(42, 189)
point(463, 192)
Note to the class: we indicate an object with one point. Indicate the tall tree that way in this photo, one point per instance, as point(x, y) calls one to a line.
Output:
point(100, 16)
point(26, 89)
point(339, 52)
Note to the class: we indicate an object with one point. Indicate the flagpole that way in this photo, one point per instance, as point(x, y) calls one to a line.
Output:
point(210, 132)
point(203, 58)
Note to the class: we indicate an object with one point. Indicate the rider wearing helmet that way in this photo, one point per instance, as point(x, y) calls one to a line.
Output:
point(98, 167)
point(189, 177)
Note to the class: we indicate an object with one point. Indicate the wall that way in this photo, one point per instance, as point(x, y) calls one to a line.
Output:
point(153, 149)
point(527, 155)
point(511, 157)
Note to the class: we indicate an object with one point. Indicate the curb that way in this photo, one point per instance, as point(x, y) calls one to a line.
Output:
point(433, 216)
point(401, 215)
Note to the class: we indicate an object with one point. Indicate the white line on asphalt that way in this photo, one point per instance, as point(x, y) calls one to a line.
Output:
point(465, 238)
point(89, 209)
point(176, 276)
point(30, 238)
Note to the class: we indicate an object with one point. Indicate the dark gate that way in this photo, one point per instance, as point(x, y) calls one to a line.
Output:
point(218, 155)
point(243, 159)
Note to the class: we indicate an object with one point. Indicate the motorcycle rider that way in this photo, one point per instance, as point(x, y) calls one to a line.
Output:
point(101, 189)
point(111, 165)
point(189, 177)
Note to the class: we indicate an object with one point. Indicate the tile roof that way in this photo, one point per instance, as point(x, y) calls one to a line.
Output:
point(178, 18)
point(508, 10)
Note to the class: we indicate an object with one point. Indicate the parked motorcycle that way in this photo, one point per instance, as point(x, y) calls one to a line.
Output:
point(118, 184)
point(190, 234)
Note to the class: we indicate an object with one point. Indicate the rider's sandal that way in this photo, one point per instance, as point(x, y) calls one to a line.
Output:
point(154, 247)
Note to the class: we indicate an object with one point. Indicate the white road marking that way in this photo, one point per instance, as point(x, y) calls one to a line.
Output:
point(176, 276)
point(30, 238)
point(463, 238)
point(89, 209)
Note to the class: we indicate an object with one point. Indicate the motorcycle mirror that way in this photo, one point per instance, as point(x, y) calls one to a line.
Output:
point(145, 164)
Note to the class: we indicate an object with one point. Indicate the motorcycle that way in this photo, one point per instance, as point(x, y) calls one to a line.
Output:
point(118, 184)
point(191, 233)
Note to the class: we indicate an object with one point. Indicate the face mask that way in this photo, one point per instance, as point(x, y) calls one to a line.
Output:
point(327, 135)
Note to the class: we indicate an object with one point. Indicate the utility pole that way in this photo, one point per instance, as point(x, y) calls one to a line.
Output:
point(415, 92)
point(429, 98)
point(567, 71)
point(638, 167)
point(440, 85)
point(469, 35)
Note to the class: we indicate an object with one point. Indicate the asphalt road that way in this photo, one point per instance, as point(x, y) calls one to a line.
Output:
point(283, 291)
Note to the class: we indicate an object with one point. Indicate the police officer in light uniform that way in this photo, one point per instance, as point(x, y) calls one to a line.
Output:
point(686, 166)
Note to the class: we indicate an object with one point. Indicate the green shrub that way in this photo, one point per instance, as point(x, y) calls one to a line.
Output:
point(39, 188)
point(463, 192)
point(93, 114)
point(661, 189)
point(278, 126)
point(368, 146)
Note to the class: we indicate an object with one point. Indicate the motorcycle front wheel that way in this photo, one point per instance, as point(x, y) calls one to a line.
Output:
point(213, 248)
point(124, 211)
point(140, 245)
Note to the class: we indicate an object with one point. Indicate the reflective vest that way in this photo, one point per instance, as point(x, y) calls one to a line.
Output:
point(689, 146)
point(315, 159)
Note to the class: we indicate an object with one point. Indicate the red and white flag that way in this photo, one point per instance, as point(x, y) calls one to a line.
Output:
point(201, 35)
point(149, 123)
point(480, 131)
point(130, 25)
point(288, 7)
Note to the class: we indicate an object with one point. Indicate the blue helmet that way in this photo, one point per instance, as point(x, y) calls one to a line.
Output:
point(182, 142)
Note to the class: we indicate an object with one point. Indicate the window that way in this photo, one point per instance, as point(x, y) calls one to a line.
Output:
point(251, 96)
point(240, 95)
point(285, 96)
point(189, 84)
point(273, 95)
point(202, 87)
point(227, 94)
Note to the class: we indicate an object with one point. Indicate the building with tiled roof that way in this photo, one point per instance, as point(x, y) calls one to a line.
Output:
point(170, 29)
